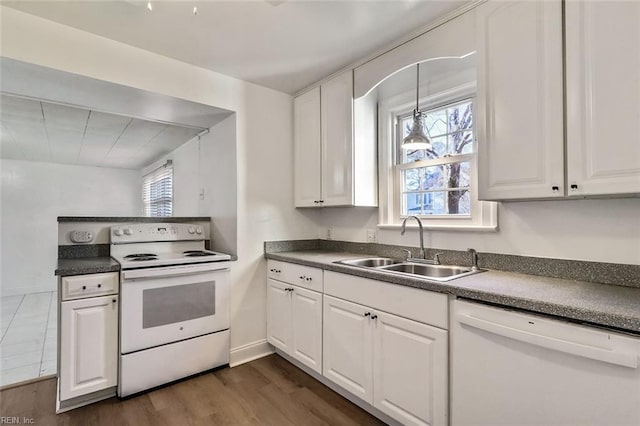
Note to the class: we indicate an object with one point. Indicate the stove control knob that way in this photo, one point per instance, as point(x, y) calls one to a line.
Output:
point(118, 232)
point(128, 231)
point(192, 230)
point(198, 230)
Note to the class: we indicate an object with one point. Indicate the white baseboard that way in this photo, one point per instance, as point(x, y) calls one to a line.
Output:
point(249, 352)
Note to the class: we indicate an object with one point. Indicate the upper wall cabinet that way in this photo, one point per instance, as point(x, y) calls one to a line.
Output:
point(603, 97)
point(520, 100)
point(332, 166)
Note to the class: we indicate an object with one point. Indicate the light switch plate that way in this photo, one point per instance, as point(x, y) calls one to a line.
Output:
point(372, 236)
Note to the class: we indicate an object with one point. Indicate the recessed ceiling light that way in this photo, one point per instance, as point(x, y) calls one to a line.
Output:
point(195, 10)
point(149, 6)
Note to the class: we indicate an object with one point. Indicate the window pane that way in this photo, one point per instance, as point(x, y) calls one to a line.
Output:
point(460, 117)
point(411, 156)
point(412, 179)
point(458, 202)
point(459, 176)
point(435, 123)
point(405, 125)
point(433, 177)
point(411, 203)
point(434, 203)
point(439, 145)
point(460, 143)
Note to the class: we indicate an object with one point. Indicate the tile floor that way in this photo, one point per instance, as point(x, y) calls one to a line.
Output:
point(28, 324)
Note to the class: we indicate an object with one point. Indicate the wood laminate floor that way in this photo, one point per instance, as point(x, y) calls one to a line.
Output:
point(268, 391)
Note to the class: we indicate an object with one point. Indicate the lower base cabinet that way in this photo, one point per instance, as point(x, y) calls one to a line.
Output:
point(395, 364)
point(294, 322)
point(88, 345)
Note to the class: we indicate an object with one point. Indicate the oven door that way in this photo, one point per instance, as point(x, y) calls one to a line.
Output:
point(169, 304)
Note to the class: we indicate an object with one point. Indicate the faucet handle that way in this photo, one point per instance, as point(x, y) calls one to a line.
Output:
point(408, 253)
point(436, 258)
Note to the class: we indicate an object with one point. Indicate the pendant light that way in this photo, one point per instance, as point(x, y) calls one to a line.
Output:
point(416, 139)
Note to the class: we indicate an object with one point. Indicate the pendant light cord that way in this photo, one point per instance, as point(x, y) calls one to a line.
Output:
point(417, 88)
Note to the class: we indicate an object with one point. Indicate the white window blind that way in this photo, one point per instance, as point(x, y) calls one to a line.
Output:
point(157, 191)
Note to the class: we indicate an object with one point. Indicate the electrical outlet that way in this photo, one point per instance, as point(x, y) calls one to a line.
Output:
point(329, 233)
point(372, 236)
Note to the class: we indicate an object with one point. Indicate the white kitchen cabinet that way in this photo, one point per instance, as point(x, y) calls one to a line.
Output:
point(307, 170)
point(410, 370)
point(520, 100)
point(332, 167)
point(279, 314)
point(603, 97)
point(395, 364)
point(520, 114)
point(88, 345)
point(347, 349)
point(294, 313)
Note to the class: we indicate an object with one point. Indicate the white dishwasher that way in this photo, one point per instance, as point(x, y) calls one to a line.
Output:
point(515, 368)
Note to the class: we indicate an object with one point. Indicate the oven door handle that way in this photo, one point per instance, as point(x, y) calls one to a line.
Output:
point(173, 271)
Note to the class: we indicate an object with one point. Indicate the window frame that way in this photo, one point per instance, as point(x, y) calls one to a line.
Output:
point(458, 158)
point(483, 214)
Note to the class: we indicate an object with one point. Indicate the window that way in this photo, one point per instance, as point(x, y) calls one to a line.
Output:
point(437, 181)
point(438, 185)
point(157, 191)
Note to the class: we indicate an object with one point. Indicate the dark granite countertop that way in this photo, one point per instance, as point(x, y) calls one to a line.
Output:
point(86, 265)
point(601, 304)
point(132, 219)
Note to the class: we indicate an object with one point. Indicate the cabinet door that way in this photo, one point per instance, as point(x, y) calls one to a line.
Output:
point(337, 140)
point(347, 347)
point(306, 327)
point(88, 346)
point(520, 100)
point(603, 97)
point(306, 148)
point(279, 314)
point(410, 370)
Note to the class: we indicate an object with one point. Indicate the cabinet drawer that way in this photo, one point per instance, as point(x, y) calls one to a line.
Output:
point(300, 275)
point(79, 286)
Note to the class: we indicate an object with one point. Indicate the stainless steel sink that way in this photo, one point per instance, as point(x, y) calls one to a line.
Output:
point(371, 262)
point(432, 272)
point(436, 272)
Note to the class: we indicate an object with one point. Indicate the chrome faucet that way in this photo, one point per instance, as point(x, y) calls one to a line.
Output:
point(404, 226)
point(474, 259)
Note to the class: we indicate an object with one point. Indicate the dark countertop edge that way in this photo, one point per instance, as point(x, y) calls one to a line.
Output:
point(132, 219)
point(86, 265)
point(607, 319)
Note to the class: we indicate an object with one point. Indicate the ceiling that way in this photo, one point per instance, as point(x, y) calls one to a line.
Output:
point(284, 45)
point(43, 131)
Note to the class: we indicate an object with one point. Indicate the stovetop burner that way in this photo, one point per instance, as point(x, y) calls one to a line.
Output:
point(133, 256)
point(143, 258)
point(197, 253)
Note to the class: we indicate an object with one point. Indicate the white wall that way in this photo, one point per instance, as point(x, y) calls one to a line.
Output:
point(592, 230)
point(33, 195)
point(263, 135)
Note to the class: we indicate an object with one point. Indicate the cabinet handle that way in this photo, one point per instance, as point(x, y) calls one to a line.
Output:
point(366, 314)
point(555, 188)
point(84, 287)
point(99, 285)
point(316, 201)
point(302, 277)
point(374, 316)
point(574, 186)
point(308, 278)
point(321, 201)
point(114, 301)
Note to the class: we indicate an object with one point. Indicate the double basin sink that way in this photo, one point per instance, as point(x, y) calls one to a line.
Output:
point(414, 269)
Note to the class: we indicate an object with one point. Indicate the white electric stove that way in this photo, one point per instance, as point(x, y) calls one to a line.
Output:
point(174, 304)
